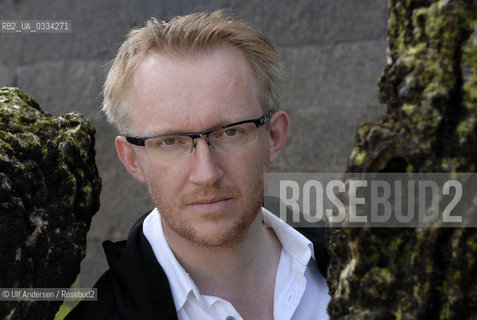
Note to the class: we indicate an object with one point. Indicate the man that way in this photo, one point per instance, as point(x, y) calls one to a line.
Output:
point(195, 100)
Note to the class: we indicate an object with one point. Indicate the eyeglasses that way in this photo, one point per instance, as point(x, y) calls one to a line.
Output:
point(224, 138)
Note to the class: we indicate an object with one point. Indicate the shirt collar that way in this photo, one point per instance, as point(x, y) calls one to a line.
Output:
point(180, 282)
point(294, 243)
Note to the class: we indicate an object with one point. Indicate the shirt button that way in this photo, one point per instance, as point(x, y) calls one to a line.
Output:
point(230, 318)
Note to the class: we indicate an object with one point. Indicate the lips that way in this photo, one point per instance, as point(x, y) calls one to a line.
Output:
point(209, 201)
point(213, 198)
point(208, 205)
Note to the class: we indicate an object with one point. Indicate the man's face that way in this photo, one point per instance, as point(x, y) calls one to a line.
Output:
point(207, 197)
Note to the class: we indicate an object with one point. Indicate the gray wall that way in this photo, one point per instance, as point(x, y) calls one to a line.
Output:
point(334, 51)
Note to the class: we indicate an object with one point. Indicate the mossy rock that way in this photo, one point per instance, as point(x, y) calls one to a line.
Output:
point(430, 88)
point(49, 191)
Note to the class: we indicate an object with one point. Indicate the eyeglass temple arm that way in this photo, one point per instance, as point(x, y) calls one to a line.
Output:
point(264, 119)
point(135, 141)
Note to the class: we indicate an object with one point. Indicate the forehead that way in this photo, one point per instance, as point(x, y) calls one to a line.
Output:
point(192, 92)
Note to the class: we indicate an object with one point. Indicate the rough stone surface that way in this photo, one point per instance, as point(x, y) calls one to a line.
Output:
point(49, 191)
point(299, 22)
point(6, 75)
point(430, 88)
point(87, 39)
point(347, 95)
point(77, 84)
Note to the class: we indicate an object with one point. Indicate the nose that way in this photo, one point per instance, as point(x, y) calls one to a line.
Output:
point(205, 169)
point(206, 138)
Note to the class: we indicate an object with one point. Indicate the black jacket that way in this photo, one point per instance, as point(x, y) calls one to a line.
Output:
point(136, 287)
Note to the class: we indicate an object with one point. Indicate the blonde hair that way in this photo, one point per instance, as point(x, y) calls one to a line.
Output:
point(187, 35)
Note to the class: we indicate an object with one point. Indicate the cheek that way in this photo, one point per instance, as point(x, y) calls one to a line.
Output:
point(247, 165)
point(163, 179)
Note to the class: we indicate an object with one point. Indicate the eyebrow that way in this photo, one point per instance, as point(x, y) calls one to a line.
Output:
point(179, 132)
point(221, 124)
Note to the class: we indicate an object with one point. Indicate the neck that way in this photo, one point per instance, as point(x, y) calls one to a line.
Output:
point(221, 270)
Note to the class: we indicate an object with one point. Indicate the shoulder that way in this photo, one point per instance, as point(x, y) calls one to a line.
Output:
point(134, 287)
point(104, 308)
point(318, 237)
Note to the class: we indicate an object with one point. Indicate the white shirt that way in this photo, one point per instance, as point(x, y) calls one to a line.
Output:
point(301, 292)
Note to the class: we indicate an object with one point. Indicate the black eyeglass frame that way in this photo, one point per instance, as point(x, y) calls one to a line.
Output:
point(141, 141)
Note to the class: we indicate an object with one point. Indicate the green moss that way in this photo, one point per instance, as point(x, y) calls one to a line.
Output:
point(357, 157)
point(376, 284)
point(48, 182)
point(466, 130)
point(408, 109)
point(471, 244)
point(430, 88)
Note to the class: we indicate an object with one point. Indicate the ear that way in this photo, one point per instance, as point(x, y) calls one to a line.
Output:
point(129, 159)
point(279, 125)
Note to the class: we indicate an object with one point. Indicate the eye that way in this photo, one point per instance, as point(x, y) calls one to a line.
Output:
point(231, 132)
point(169, 141)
